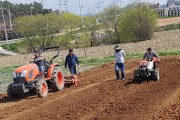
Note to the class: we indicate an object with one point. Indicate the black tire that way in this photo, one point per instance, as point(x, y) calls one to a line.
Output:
point(136, 76)
point(156, 75)
point(10, 93)
point(57, 79)
point(41, 88)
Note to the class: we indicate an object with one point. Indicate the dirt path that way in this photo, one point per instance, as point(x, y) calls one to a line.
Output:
point(6, 52)
point(102, 97)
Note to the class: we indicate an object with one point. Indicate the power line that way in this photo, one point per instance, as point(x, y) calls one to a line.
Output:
point(59, 5)
point(95, 6)
point(42, 2)
point(65, 3)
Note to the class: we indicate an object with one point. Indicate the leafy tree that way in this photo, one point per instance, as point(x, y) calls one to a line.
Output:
point(71, 23)
point(91, 26)
point(85, 42)
point(39, 30)
point(137, 22)
point(64, 41)
point(25, 9)
point(109, 17)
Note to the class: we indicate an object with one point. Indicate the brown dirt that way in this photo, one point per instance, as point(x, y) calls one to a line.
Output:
point(101, 97)
point(168, 21)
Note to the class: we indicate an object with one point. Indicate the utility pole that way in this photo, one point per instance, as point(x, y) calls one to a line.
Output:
point(10, 20)
point(114, 2)
point(120, 3)
point(82, 19)
point(31, 10)
point(65, 3)
point(80, 6)
point(89, 12)
point(98, 6)
point(42, 3)
point(31, 7)
point(79, 2)
point(59, 7)
point(4, 22)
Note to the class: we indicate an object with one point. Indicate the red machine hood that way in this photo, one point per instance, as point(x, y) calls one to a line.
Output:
point(26, 67)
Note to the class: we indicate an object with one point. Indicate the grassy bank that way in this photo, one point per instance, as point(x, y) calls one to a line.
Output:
point(6, 73)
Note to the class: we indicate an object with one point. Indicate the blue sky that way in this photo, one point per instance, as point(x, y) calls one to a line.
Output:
point(88, 5)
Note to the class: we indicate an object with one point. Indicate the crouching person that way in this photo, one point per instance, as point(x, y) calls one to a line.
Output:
point(120, 57)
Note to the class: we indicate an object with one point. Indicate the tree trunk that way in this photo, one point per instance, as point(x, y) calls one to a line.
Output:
point(117, 34)
point(85, 52)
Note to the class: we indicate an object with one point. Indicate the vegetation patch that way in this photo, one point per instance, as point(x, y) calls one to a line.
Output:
point(6, 74)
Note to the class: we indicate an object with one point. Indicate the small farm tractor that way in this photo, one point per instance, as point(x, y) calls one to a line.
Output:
point(147, 71)
point(28, 78)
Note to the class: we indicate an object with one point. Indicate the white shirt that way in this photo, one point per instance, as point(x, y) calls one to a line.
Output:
point(120, 56)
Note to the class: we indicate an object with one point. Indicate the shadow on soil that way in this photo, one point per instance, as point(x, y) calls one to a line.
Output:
point(27, 96)
point(131, 81)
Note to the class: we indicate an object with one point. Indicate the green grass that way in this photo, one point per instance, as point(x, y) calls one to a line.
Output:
point(15, 47)
point(95, 61)
point(169, 53)
point(172, 27)
point(7, 69)
point(162, 53)
point(6, 74)
point(85, 62)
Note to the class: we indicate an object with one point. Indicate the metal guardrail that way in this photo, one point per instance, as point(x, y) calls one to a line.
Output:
point(10, 41)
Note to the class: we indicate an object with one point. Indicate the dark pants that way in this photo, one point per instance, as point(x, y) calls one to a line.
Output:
point(73, 70)
point(121, 67)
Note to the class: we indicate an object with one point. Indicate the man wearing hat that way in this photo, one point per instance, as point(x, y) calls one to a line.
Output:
point(38, 60)
point(71, 61)
point(120, 57)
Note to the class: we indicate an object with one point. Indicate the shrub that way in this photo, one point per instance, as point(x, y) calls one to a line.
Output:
point(137, 23)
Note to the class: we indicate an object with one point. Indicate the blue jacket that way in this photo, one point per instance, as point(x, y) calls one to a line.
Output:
point(71, 61)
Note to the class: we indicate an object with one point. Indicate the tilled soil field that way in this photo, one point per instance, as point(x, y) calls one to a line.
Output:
point(101, 97)
point(168, 21)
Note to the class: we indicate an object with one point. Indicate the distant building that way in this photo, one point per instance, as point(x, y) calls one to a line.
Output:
point(172, 9)
point(168, 12)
